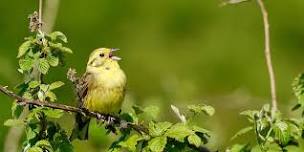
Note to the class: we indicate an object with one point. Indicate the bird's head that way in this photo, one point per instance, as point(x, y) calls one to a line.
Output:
point(102, 56)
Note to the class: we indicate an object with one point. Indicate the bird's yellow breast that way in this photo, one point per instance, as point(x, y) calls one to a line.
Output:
point(106, 90)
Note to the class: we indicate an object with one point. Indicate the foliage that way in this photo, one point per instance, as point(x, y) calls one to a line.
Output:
point(163, 136)
point(36, 56)
point(274, 133)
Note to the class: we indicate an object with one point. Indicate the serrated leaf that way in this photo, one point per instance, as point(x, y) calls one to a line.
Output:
point(26, 64)
point(14, 123)
point(25, 46)
point(157, 144)
point(43, 66)
point(208, 110)
point(34, 84)
point(56, 85)
point(242, 132)
point(179, 132)
point(58, 35)
point(194, 140)
point(130, 143)
point(158, 129)
point(52, 60)
point(282, 132)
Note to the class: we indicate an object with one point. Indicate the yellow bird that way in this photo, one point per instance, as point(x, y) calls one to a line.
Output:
point(101, 89)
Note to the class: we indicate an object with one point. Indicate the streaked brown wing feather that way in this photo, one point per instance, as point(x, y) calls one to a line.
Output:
point(82, 88)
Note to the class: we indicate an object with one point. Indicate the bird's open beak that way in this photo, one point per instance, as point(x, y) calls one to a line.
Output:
point(116, 58)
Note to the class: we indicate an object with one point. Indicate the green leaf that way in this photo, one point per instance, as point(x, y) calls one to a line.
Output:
point(242, 132)
point(44, 87)
point(208, 110)
point(26, 64)
point(239, 148)
point(250, 114)
point(41, 95)
point(56, 85)
point(282, 132)
point(200, 129)
point(53, 113)
point(44, 144)
point(34, 84)
point(66, 50)
point(179, 132)
point(35, 149)
point(51, 95)
point(137, 109)
point(27, 95)
point(16, 110)
point(130, 143)
point(14, 123)
point(157, 144)
point(30, 133)
point(296, 107)
point(298, 89)
point(194, 140)
point(25, 46)
point(52, 60)
point(158, 129)
point(58, 35)
point(43, 66)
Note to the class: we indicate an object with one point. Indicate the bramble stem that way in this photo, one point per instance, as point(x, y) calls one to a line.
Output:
point(268, 56)
point(104, 117)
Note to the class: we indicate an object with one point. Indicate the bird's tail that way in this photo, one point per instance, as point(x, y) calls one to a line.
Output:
point(81, 128)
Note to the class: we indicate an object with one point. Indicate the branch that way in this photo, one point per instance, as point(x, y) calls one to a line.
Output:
point(268, 56)
point(120, 123)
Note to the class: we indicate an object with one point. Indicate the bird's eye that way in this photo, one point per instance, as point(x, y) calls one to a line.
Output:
point(101, 55)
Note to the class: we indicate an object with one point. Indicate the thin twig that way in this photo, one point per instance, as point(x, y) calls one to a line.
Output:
point(103, 117)
point(268, 56)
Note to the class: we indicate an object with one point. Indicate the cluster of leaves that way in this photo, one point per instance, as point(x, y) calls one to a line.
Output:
point(298, 89)
point(274, 133)
point(36, 56)
point(163, 136)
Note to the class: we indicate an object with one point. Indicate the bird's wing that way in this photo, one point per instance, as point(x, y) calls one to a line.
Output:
point(82, 88)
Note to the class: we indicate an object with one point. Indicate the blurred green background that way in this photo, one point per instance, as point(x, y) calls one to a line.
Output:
point(174, 52)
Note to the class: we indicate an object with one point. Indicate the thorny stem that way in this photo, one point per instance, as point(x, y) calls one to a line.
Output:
point(268, 57)
point(103, 117)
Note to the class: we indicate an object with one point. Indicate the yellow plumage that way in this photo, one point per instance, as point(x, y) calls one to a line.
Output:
point(101, 89)
point(106, 89)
